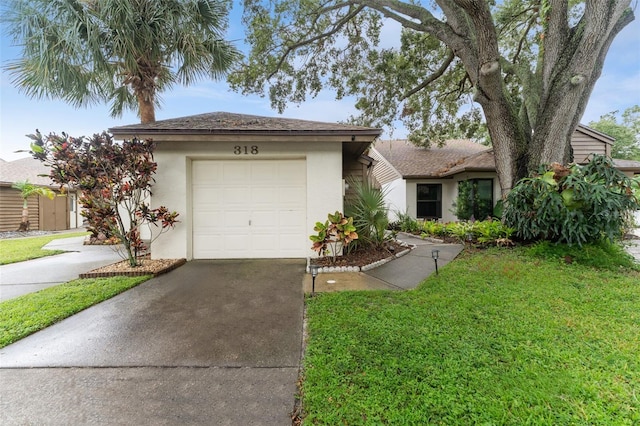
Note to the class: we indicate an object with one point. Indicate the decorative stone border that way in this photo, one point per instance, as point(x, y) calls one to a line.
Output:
point(335, 269)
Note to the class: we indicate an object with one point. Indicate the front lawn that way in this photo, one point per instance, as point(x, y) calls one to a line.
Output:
point(31, 312)
point(498, 337)
point(21, 249)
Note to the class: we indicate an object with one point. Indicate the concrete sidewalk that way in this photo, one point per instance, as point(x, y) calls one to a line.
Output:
point(21, 278)
point(212, 342)
point(403, 273)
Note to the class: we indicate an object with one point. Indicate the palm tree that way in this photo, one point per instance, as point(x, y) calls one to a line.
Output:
point(28, 189)
point(123, 52)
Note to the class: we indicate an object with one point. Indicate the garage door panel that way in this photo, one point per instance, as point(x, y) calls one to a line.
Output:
point(292, 219)
point(207, 194)
point(237, 242)
point(236, 219)
point(249, 209)
point(209, 219)
point(264, 195)
point(236, 172)
point(206, 170)
point(291, 195)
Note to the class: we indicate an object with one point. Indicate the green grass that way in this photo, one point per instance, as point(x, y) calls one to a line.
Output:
point(27, 314)
point(21, 249)
point(499, 337)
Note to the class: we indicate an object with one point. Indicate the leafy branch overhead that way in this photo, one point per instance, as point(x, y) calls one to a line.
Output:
point(529, 65)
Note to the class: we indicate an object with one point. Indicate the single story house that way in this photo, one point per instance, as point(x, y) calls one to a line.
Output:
point(60, 213)
point(425, 183)
point(247, 186)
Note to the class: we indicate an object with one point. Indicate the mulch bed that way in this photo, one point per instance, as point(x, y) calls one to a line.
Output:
point(362, 257)
point(147, 266)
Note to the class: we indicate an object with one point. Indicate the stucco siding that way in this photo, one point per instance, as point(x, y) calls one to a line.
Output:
point(395, 197)
point(173, 182)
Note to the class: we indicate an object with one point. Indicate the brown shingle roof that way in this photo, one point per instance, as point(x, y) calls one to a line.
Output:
point(24, 169)
point(231, 123)
point(417, 162)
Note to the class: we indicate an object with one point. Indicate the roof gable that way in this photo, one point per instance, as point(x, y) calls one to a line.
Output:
point(25, 169)
point(411, 161)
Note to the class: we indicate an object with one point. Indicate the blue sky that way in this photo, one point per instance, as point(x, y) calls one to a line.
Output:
point(617, 89)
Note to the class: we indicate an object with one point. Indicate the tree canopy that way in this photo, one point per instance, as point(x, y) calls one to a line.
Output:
point(626, 132)
point(121, 52)
point(529, 65)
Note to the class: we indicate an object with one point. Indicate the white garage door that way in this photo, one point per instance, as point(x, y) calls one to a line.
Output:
point(249, 209)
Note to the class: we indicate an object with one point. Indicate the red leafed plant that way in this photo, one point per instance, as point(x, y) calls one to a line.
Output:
point(114, 181)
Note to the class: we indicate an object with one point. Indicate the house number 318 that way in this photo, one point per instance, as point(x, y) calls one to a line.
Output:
point(246, 150)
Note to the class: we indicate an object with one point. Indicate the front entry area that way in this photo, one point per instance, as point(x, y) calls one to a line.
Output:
point(249, 209)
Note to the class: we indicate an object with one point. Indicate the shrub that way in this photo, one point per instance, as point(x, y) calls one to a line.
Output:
point(574, 205)
point(433, 228)
point(115, 183)
point(370, 214)
point(336, 233)
point(406, 223)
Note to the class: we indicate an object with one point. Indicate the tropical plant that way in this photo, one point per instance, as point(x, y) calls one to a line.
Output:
point(370, 213)
point(405, 223)
point(462, 231)
point(28, 189)
point(572, 205)
point(334, 235)
point(433, 228)
point(530, 65)
point(492, 232)
point(121, 52)
point(115, 183)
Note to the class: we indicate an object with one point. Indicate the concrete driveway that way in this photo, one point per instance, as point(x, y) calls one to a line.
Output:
point(212, 342)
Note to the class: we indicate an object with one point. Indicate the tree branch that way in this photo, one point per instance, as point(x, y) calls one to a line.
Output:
point(337, 27)
point(430, 79)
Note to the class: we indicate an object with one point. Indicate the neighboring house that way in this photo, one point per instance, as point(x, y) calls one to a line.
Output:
point(424, 183)
point(248, 186)
point(44, 214)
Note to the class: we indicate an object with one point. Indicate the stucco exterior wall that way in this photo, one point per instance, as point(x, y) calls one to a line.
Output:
point(173, 182)
point(395, 197)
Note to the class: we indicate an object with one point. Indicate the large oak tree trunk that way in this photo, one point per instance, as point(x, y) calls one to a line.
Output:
point(572, 63)
point(572, 60)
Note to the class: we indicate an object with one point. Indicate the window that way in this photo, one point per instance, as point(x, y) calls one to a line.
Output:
point(475, 199)
point(429, 200)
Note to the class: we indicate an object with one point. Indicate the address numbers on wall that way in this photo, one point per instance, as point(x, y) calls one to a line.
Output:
point(246, 150)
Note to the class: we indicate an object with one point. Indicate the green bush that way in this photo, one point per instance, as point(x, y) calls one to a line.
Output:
point(370, 214)
point(432, 228)
point(335, 234)
point(574, 205)
point(484, 232)
point(405, 223)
